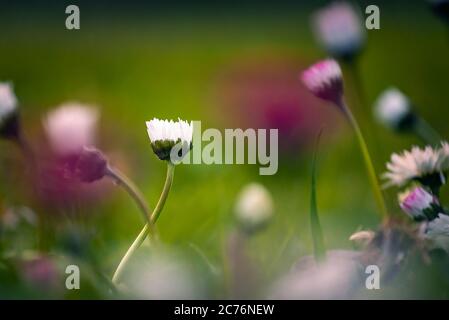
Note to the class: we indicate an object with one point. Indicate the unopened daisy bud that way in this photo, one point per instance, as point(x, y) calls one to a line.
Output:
point(324, 79)
point(167, 136)
point(419, 204)
point(362, 238)
point(393, 109)
point(91, 165)
point(254, 206)
point(71, 127)
point(339, 29)
point(9, 124)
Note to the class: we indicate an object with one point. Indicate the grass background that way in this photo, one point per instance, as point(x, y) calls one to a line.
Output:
point(136, 62)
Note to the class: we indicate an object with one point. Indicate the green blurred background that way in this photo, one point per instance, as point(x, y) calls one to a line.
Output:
point(137, 61)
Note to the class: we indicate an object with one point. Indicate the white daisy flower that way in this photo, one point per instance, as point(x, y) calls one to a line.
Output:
point(71, 127)
point(254, 206)
point(8, 102)
point(438, 231)
point(418, 164)
point(393, 109)
point(339, 29)
point(165, 134)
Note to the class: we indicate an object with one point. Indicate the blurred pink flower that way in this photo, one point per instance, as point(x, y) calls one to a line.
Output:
point(265, 94)
point(40, 272)
point(70, 127)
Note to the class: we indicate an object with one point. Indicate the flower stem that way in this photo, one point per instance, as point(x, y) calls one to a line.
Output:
point(134, 246)
point(317, 232)
point(368, 162)
point(27, 150)
point(120, 179)
point(146, 229)
point(425, 131)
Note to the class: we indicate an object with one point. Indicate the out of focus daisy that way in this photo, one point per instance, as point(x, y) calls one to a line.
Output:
point(338, 277)
point(165, 134)
point(437, 231)
point(254, 206)
point(8, 111)
point(164, 275)
point(426, 165)
point(71, 127)
point(439, 226)
point(393, 109)
point(339, 29)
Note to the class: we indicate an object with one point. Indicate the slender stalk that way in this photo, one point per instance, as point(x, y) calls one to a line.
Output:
point(425, 131)
point(357, 83)
point(317, 232)
point(33, 170)
point(146, 229)
point(361, 102)
point(120, 179)
point(378, 196)
point(134, 246)
point(27, 150)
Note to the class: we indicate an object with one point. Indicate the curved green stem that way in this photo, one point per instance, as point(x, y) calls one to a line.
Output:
point(368, 162)
point(146, 229)
point(134, 246)
point(317, 232)
point(120, 179)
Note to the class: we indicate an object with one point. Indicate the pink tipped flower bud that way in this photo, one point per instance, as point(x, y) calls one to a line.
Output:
point(419, 204)
point(324, 79)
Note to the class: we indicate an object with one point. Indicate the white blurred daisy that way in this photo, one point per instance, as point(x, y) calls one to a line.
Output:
point(254, 206)
point(339, 29)
point(438, 231)
point(8, 102)
point(71, 127)
point(165, 134)
point(164, 275)
point(393, 109)
point(340, 276)
point(417, 164)
point(439, 226)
